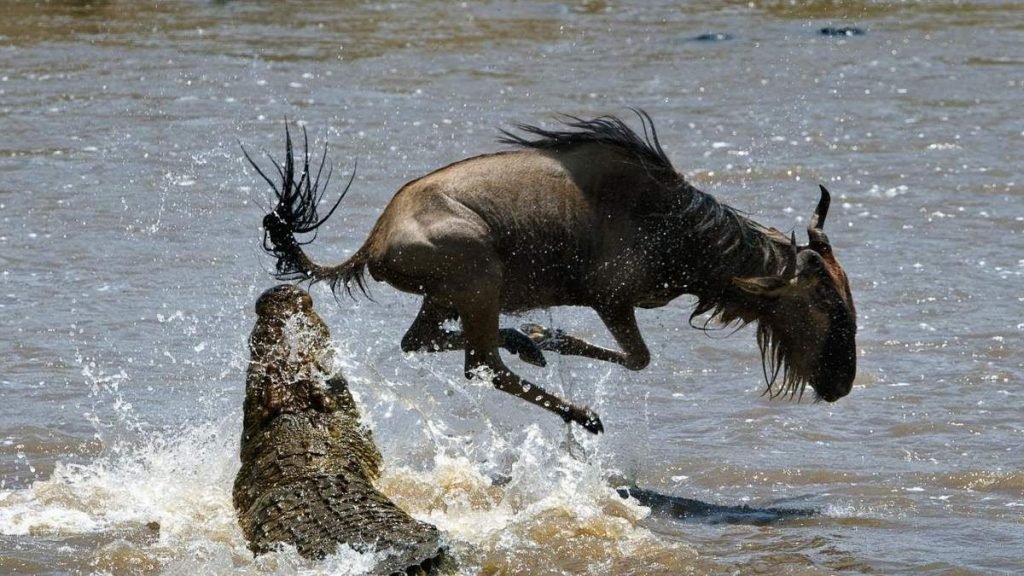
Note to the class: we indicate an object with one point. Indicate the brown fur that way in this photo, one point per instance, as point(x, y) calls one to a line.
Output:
point(594, 216)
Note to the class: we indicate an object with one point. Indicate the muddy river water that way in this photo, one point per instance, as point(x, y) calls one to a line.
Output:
point(130, 259)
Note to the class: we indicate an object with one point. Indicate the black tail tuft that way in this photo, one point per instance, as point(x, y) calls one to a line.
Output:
point(296, 209)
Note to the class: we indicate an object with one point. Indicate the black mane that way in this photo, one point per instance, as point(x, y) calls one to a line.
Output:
point(608, 130)
point(734, 245)
point(741, 247)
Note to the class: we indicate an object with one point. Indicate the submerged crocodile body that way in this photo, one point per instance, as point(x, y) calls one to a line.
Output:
point(307, 461)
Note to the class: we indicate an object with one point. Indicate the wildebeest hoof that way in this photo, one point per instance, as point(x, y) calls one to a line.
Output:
point(587, 418)
point(532, 355)
point(518, 342)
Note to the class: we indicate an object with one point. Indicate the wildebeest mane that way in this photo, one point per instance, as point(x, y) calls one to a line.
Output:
point(732, 244)
point(608, 130)
point(711, 224)
point(739, 247)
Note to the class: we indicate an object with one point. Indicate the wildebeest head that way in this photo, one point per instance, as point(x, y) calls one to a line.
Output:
point(807, 321)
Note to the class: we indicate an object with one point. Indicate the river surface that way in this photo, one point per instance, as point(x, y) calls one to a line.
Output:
point(130, 260)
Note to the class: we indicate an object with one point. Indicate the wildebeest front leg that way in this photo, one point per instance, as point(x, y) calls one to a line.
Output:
point(480, 321)
point(620, 321)
point(428, 334)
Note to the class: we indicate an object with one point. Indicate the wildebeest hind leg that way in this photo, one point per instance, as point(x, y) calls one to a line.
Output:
point(480, 321)
point(428, 334)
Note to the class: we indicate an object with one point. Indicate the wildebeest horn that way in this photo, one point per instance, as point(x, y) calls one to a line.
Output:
point(818, 220)
point(790, 269)
point(815, 229)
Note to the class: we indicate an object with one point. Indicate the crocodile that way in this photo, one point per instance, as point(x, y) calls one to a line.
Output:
point(308, 462)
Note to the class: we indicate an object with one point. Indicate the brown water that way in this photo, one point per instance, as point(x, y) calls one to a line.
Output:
point(129, 262)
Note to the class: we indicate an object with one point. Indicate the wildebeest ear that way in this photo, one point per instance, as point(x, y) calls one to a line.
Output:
point(761, 286)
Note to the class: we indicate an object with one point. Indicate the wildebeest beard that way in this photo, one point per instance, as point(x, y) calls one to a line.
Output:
point(785, 374)
point(778, 359)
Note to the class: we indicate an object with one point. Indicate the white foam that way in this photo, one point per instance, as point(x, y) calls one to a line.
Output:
point(544, 481)
point(182, 480)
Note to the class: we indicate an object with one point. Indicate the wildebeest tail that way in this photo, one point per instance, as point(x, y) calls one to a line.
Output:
point(296, 212)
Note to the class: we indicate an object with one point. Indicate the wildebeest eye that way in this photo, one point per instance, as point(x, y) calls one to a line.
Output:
point(828, 293)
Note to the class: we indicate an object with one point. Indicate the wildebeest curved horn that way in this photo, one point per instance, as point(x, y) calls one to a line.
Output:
point(815, 231)
point(818, 219)
point(790, 270)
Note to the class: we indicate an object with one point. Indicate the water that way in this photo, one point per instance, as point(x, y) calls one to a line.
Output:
point(129, 263)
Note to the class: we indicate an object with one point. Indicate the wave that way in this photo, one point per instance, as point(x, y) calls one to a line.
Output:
point(163, 502)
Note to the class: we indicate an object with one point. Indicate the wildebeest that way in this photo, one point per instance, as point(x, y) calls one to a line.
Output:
point(595, 215)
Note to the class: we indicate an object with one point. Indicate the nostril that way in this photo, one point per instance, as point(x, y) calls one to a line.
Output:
point(836, 393)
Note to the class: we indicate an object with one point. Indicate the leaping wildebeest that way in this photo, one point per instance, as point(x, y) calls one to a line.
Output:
point(592, 214)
